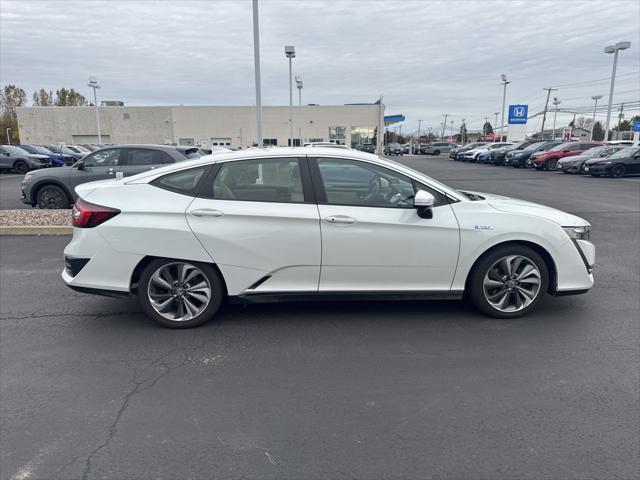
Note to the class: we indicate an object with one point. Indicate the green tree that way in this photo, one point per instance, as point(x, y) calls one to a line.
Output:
point(69, 98)
point(487, 128)
point(598, 132)
point(11, 98)
point(42, 98)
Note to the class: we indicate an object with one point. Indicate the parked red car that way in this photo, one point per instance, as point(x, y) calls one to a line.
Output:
point(548, 160)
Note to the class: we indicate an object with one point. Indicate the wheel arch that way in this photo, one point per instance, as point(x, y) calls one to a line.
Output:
point(540, 250)
point(142, 264)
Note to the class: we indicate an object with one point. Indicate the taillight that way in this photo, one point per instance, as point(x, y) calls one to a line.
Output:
point(89, 215)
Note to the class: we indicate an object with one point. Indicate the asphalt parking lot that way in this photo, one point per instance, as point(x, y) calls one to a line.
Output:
point(10, 191)
point(90, 388)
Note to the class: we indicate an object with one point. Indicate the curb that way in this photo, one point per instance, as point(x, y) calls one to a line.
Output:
point(35, 230)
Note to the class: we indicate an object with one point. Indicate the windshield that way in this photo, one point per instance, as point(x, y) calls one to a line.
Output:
point(68, 150)
point(534, 146)
point(626, 152)
point(557, 148)
point(592, 152)
point(81, 149)
point(15, 150)
point(41, 150)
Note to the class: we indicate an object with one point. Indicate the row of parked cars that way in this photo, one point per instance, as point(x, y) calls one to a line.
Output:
point(614, 159)
point(23, 158)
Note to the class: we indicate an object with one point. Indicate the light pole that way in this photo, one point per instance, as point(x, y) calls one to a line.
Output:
point(556, 102)
point(593, 120)
point(290, 52)
point(505, 82)
point(299, 86)
point(419, 125)
point(613, 49)
point(256, 63)
point(496, 126)
point(93, 83)
point(7, 130)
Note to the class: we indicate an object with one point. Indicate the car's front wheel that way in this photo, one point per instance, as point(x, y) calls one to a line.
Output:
point(21, 167)
point(52, 196)
point(436, 152)
point(617, 171)
point(180, 294)
point(508, 282)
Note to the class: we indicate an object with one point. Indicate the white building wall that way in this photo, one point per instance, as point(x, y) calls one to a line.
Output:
point(201, 124)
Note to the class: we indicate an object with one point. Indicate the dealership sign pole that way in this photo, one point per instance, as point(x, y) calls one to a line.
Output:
point(93, 83)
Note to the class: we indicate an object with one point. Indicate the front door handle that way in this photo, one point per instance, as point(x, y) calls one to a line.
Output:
point(206, 212)
point(340, 220)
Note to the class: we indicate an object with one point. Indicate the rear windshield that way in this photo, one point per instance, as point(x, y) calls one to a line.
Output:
point(626, 152)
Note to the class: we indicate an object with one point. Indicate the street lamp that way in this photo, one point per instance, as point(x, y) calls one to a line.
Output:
point(7, 130)
point(556, 102)
point(93, 83)
point(613, 49)
point(496, 126)
point(593, 120)
point(505, 82)
point(299, 86)
point(290, 52)
point(256, 67)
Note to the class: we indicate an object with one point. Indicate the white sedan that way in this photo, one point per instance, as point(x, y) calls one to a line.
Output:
point(315, 223)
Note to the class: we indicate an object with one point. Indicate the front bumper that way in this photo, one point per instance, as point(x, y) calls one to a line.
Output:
point(597, 169)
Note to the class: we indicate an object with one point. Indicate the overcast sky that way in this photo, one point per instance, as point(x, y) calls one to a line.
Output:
point(427, 58)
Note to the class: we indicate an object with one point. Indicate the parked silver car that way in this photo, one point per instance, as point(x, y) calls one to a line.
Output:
point(15, 158)
point(436, 148)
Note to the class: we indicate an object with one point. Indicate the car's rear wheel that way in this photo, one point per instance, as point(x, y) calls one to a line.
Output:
point(617, 171)
point(52, 196)
point(180, 294)
point(436, 152)
point(508, 282)
point(21, 167)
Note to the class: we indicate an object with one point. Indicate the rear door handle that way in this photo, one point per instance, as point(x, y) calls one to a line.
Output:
point(206, 212)
point(340, 220)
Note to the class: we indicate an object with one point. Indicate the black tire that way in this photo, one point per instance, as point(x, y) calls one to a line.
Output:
point(595, 174)
point(436, 152)
point(475, 291)
point(550, 164)
point(21, 167)
point(52, 197)
point(217, 294)
point(617, 171)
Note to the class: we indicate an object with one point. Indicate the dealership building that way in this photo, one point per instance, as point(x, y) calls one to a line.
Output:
point(233, 126)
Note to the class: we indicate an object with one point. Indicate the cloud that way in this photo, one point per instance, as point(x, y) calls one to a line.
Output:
point(427, 58)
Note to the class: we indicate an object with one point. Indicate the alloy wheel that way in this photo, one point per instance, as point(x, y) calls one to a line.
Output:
point(179, 291)
point(52, 198)
point(618, 171)
point(512, 283)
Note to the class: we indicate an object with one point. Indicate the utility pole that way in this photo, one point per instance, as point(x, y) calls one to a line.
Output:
point(556, 102)
point(256, 67)
point(444, 125)
point(593, 120)
point(495, 127)
point(93, 83)
point(620, 117)
point(290, 53)
point(451, 122)
point(544, 115)
point(7, 130)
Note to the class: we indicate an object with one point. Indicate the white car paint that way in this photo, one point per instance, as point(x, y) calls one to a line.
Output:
point(382, 249)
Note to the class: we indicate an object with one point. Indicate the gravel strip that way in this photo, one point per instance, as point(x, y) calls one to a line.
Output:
point(35, 217)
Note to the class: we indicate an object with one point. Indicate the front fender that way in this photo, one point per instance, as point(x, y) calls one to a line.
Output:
point(482, 228)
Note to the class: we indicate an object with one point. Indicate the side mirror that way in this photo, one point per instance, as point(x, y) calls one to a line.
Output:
point(79, 165)
point(423, 202)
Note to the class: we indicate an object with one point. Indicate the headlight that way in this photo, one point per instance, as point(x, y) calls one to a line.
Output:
point(28, 176)
point(578, 233)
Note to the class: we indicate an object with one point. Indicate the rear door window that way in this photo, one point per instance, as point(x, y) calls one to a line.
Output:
point(103, 158)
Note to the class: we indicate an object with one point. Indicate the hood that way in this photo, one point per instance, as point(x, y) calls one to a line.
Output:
point(37, 155)
point(515, 205)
